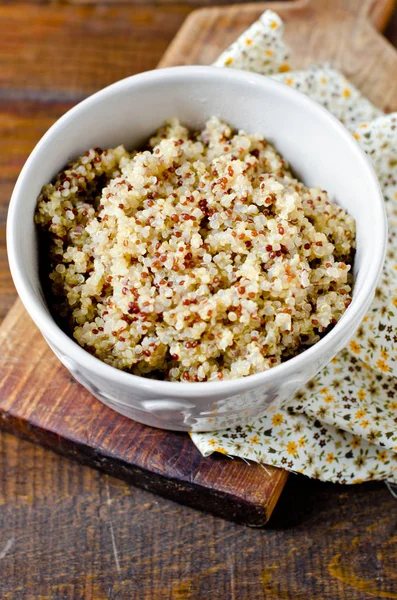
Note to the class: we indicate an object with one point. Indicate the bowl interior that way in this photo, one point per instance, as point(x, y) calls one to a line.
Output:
point(320, 151)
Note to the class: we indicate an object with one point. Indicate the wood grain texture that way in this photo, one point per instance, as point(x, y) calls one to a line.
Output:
point(75, 50)
point(379, 11)
point(70, 532)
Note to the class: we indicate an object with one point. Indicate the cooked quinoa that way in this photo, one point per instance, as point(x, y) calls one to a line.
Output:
point(200, 258)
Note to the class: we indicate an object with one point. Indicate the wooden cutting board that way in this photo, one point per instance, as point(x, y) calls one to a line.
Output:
point(38, 398)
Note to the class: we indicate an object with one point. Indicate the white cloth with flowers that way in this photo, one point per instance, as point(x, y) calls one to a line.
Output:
point(342, 426)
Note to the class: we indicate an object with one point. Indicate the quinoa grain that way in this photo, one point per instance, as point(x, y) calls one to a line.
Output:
point(202, 258)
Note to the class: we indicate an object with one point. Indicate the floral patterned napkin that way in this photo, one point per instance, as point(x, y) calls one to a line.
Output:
point(342, 426)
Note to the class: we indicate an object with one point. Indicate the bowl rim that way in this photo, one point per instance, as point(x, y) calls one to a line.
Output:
point(70, 348)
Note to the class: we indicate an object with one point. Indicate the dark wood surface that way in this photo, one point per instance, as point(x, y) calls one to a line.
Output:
point(69, 532)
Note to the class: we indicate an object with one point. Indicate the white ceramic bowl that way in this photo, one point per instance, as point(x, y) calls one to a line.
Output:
point(320, 150)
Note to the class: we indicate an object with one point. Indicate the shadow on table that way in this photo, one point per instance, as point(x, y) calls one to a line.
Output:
point(304, 499)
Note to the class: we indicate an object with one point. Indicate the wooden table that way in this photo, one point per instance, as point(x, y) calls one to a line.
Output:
point(67, 531)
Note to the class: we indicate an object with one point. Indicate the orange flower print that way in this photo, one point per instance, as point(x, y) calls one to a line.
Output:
point(364, 424)
point(302, 442)
point(355, 347)
point(360, 414)
point(361, 394)
point(356, 442)
point(329, 398)
point(292, 448)
point(383, 366)
point(384, 354)
point(330, 458)
point(277, 419)
point(382, 455)
point(255, 439)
